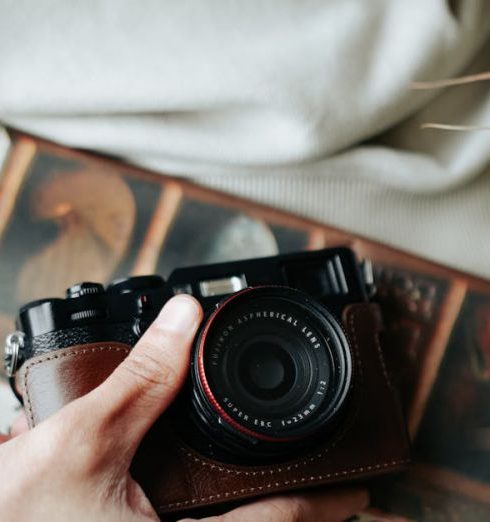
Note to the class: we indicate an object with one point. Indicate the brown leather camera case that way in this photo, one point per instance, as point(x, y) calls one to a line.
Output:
point(371, 440)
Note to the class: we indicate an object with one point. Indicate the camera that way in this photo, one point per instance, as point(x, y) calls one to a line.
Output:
point(288, 387)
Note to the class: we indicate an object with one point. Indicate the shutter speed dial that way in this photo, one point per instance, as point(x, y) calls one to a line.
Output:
point(82, 289)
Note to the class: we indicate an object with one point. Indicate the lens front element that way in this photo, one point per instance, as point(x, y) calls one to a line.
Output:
point(265, 369)
point(271, 364)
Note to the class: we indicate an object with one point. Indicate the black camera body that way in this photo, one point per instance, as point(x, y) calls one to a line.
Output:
point(125, 309)
point(276, 369)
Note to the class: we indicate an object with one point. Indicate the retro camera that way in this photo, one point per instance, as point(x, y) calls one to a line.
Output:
point(286, 356)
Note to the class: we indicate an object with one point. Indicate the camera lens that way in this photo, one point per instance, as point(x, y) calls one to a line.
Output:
point(270, 367)
point(266, 370)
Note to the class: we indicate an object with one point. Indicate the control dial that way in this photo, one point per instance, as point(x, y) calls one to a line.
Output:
point(82, 289)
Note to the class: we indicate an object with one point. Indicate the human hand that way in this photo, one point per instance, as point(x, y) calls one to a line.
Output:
point(75, 465)
point(334, 506)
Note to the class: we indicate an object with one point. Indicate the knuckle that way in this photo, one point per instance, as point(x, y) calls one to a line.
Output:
point(229, 517)
point(285, 509)
point(292, 509)
point(149, 371)
point(296, 510)
point(363, 499)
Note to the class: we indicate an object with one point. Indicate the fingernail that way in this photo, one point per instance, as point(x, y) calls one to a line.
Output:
point(182, 313)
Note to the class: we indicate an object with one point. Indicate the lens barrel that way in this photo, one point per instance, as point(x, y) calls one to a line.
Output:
point(271, 368)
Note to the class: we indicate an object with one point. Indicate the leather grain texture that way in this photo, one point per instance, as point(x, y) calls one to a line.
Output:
point(49, 381)
point(371, 440)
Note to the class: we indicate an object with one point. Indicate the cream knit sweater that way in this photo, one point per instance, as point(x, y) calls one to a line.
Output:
point(306, 105)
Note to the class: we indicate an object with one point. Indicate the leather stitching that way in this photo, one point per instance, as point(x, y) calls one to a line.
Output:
point(308, 479)
point(304, 463)
point(291, 482)
point(378, 348)
point(60, 355)
point(383, 363)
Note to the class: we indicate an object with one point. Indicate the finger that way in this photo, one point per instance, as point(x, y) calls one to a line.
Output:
point(334, 506)
point(146, 382)
point(380, 516)
point(19, 425)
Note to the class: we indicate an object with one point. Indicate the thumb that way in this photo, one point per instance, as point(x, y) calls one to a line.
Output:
point(126, 405)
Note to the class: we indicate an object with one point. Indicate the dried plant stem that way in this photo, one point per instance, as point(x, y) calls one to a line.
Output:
point(450, 82)
point(443, 126)
point(437, 84)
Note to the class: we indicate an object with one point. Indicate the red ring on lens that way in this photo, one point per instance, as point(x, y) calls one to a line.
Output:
point(204, 382)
